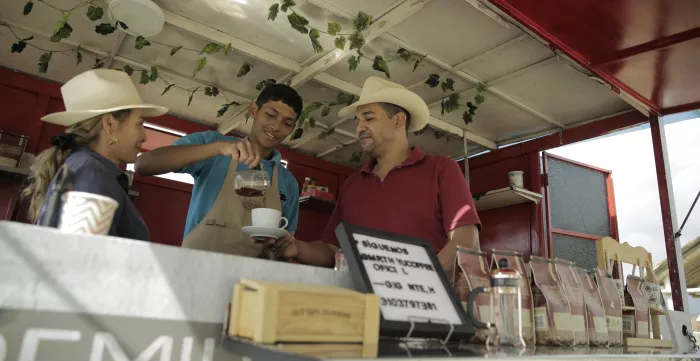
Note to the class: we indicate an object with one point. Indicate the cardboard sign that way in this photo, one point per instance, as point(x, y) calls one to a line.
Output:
point(406, 274)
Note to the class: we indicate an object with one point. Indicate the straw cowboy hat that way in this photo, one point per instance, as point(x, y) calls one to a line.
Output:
point(96, 92)
point(378, 90)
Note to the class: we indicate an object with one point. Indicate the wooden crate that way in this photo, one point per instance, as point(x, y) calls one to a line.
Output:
point(277, 312)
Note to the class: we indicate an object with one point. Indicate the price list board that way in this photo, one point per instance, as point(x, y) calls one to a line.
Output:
point(405, 273)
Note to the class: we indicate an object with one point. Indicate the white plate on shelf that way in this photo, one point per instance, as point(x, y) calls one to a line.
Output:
point(261, 233)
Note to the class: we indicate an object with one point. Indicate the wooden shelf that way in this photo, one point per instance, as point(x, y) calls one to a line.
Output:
point(316, 203)
point(505, 197)
point(14, 171)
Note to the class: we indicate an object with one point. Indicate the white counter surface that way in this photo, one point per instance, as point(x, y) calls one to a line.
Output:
point(84, 296)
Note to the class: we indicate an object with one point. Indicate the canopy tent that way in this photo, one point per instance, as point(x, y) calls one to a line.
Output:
point(531, 90)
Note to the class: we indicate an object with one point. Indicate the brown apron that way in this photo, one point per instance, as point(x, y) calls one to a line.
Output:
point(220, 230)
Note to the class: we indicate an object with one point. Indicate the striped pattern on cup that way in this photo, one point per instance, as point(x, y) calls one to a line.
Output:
point(87, 213)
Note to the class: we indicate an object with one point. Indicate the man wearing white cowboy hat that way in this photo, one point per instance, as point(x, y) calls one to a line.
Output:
point(401, 190)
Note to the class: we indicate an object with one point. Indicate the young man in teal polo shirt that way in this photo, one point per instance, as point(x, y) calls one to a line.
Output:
point(216, 214)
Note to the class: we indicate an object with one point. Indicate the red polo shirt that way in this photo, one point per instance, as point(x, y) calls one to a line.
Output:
point(425, 197)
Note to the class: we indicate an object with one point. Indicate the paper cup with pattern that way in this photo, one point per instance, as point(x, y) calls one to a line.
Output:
point(87, 213)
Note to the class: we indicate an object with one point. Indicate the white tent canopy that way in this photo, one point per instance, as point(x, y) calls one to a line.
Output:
point(531, 89)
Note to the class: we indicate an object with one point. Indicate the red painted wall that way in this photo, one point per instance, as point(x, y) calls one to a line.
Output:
point(163, 203)
point(514, 227)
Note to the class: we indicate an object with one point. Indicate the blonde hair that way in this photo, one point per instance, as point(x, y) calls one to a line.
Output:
point(49, 161)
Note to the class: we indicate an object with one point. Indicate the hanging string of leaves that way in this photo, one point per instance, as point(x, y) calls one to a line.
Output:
point(146, 76)
point(308, 120)
point(63, 30)
point(356, 38)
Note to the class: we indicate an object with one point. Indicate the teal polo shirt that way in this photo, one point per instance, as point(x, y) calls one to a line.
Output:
point(209, 176)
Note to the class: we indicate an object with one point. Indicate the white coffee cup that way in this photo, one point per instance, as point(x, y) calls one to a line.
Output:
point(268, 217)
point(87, 213)
point(516, 178)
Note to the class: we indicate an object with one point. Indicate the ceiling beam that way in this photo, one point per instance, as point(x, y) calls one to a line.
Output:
point(473, 79)
point(380, 25)
point(335, 129)
point(338, 84)
point(490, 13)
point(115, 49)
point(461, 132)
point(237, 44)
point(662, 42)
point(492, 51)
point(337, 147)
point(163, 71)
point(510, 75)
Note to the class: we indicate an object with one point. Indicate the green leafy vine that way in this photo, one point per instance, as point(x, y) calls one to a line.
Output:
point(357, 40)
point(307, 118)
point(63, 30)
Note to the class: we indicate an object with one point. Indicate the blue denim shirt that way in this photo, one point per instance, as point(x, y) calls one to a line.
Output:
point(96, 174)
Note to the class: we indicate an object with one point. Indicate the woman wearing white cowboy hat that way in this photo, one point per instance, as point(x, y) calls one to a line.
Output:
point(104, 118)
point(401, 190)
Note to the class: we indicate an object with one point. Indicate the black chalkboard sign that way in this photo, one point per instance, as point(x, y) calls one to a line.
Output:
point(416, 298)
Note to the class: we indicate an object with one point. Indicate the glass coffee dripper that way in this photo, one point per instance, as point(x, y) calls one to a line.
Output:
point(253, 182)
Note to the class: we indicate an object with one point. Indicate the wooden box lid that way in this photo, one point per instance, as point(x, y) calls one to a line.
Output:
point(272, 312)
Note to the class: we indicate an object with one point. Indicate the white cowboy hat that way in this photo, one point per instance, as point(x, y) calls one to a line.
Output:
point(378, 90)
point(96, 92)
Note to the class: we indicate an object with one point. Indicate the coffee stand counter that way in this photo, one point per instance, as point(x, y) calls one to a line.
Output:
point(79, 297)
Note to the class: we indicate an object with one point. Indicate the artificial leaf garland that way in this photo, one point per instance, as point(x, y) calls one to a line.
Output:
point(211, 91)
point(433, 80)
point(44, 60)
point(224, 108)
point(356, 39)
point(312, 107)
point(63, 30)
point(28, 8)
point(261, 85)
point(380, 64)
point(141, 42)
point(146, 76)
point(273, 11)
point(356, 156)
point(95, 13)
point(452, 102)
point(360, 23)
point(326, 133)
point(78, 56)
point(244, 69)
point(314, 35)
point(19, 46)
point(105, 29)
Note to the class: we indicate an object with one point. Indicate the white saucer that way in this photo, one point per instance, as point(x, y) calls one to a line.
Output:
point(260, 233)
